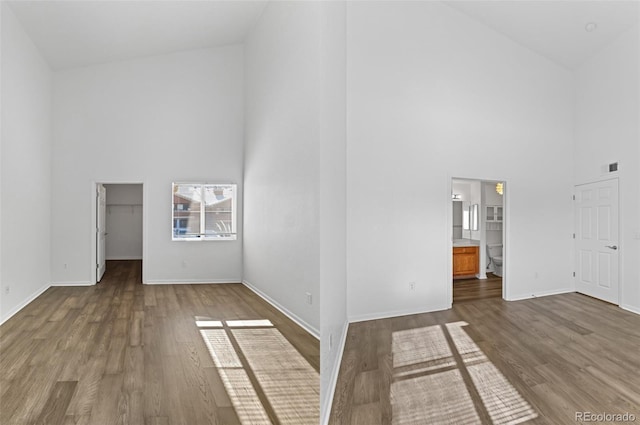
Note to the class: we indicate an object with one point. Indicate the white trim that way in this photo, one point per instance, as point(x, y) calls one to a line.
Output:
point(333, 380)
point(76, 283)
point(190, 281)
point(202, 235)
point(541, 294)
point(145, 212)
point(124, 257)
point(205, 238)
point(390, 314)
point(307, 327)
point(25, 303)
point(506, 207)
point(632, 309)
point(145, 232)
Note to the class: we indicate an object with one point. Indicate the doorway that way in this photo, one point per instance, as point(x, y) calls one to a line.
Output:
point(478, 218)
point(596, 240)
point(119, 223)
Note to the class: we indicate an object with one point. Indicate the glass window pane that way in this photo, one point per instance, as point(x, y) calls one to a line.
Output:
point(186, 210)
point(204, 211)
point(219, 210)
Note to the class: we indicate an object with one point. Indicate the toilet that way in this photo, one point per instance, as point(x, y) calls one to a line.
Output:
point(495, 257)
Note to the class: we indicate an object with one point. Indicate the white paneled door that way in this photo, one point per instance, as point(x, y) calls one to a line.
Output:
point(596, 247)
point(101, 231)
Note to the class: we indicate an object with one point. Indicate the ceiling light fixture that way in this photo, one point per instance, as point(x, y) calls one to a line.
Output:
point(499, 188)
point(591, 26)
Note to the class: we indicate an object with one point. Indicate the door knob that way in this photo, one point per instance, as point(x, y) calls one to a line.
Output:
point(614, 247)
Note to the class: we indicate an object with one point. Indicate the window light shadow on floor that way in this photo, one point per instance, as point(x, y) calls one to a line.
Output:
point(254, 359)
point(436, 371)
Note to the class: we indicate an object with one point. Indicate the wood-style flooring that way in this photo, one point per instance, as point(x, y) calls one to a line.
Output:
point(125, 353)
point(477, 289)
point(537, 361)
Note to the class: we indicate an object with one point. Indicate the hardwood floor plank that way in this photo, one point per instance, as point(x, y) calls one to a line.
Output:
point(90, 376)
point(548, 357)
point(54, 409)
point(109, 407)
point(125, 353)
point(477, 289)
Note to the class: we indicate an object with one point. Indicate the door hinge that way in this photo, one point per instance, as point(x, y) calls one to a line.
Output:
point(574, 274)
point(574, 197)
point(97, 266)
point(574, 236)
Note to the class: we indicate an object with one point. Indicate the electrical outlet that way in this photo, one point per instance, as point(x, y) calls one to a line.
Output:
point(7, 289)
point(309, 298)
point(412, 286)
point(184, 264)
point(65, 266)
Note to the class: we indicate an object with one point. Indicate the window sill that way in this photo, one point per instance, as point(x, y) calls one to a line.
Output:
point(205, 238)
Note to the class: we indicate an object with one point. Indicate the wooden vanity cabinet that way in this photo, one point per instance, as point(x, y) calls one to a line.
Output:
point(465, 261)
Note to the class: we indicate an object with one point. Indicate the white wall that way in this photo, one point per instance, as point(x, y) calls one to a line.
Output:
point(281, 167)
point(124, 222)
point(333, 209)
point(491, 196)
point(432, 95)
point(155, 120)
point(25, 193)
point(607, 130)
point(462, 188)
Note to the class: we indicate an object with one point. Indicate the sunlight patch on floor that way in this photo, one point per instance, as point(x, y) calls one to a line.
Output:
point(236, 382)
point(502, 401)
point(248, 323)
point(440, 398)
point(504, 404)
point(289, 382)
point(420, 345)
point(243, 397)
point(425, 388)
point(208, 323)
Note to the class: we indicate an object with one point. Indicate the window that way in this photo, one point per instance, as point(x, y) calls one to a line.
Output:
point(204, 212)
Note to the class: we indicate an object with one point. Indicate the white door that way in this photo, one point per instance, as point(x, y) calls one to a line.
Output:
point(596, 247)
point(101, 231)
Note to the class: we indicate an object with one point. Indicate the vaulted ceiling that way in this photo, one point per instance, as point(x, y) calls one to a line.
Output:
point(556, 29)
point(78, 33)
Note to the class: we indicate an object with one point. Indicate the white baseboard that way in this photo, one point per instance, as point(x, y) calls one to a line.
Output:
point(307, 327)
point(189, 281)
point(23, 304)
point(76, 283)
point(540, 294)
point(333, 380)
point(635, 310)
point(388, 314)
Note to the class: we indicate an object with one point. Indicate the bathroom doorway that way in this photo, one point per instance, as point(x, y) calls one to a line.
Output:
point(478, 212)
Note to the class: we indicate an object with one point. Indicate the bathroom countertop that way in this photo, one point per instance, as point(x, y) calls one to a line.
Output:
point(465, 242)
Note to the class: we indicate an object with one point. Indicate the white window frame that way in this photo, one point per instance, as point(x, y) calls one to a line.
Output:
point(202, 236)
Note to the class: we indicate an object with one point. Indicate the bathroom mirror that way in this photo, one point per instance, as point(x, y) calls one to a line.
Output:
point(457, 220)
point(473, 216)
point(470, 217)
